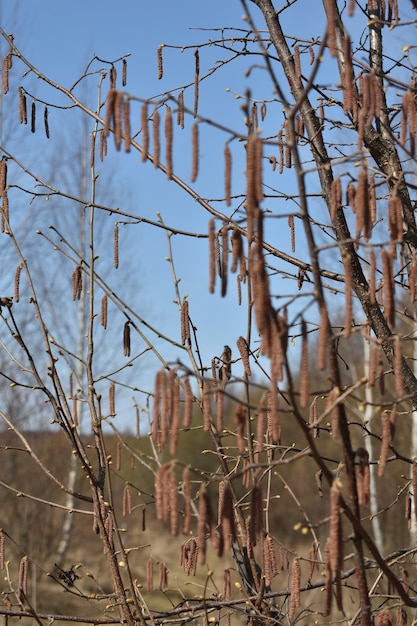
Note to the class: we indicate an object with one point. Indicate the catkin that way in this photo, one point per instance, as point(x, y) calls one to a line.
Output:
point(347, 76)
point(292, 232)
point(173, 504)
point(5, 214)
point(113, 77)
point(33, 117)
point(168, 141)
point(196, 81)
point(23, 579)
point(112, 394)
point(145, 131)
point(204, 520)
point(17, 282)
point(180, 112)
point(126, 123)
point(185, 324)
point(116, 246)
point(329, 6)
point(111, 100)
point(175, 413)
point(103, 146)
point(124, 72)
point(23, 119)
point(295, 600)
point(103, 311)
point(155, 133)
point(384, 618)
point(118, 116)
point(336, 540)
point(227, 174)
point(385, 443)
point(195, 152)
point(225, 260)
point(46, 121)
point(160, 61)
point(256, 514)
point(244, 354)
point(126, 339)
point(127, 502)
point(188, 404)
point(212, 256)
point(77, 283)
point(7, 63)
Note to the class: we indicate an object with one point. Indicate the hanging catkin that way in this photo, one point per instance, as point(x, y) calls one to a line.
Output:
point(186, 489)
point(212, 255)
point(112, 394)
point(116, 246)
point(17, 282)
point(388, 286)
point(77, 283)
point(227, 174)
point(124, 72)
point(180, 112)
point(46, 121)
point(168, 141)
point(225, 259)
point(156, 143)
point(362, 475)
point(126, 339)
point(23, 580)
point(188, 404)
point(195, 152)
point(160, 61)
point(295, 601)
point(103, 311)
point(126, 124)
point(185, 323)
point(244, 354)
point(33, 118)
point(145, 131)
point(196, 81)
point(22, 107)
point(118, 117)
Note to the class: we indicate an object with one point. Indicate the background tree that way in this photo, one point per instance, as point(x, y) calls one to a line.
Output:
point(255, 428)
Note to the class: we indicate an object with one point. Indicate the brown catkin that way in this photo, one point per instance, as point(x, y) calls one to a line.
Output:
point(256, 513)
point(237, 250)
point(384, 618)
point(116, 246)
point(347, 76)
point(23, 119)
point(212, 256)
point(328, 579)
point(145, 131)
point(270, 560)
point(304, 369)
point(155, 134)
point(281, 151)
point(126, 339)
point(188, 404)
point(195, 152)
point(112, 394)
point(127, 502)
point(17, 282)
point(163, 577)
point(126, 123)
point(113, 77)
point(180, 112)
point(227, 174)
point(292, 232)
point(336, 197)
point(288, 147)
point(295, 600)
point(196, 81)
point(103, 146)
point(103, 311)
point(189, 557)
point(244, 354)
point(23, 579)
point(168, 141)
point(118, 116)
point(6, 66)
point(329, 6)
point(3, 175)
point(77, 283)
point(185, 323)
point(385, 443)
point(160, 61)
